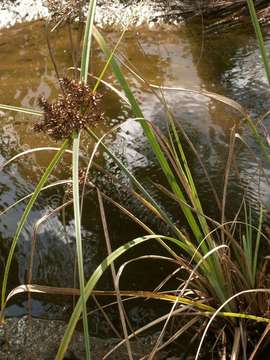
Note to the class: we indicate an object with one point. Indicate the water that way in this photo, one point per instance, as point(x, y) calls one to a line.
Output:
point(228, 64)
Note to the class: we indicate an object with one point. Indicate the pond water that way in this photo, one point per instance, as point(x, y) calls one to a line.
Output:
point(227, 64)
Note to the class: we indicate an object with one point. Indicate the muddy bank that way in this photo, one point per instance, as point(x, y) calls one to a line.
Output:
point(135, 13)
point(21, 341)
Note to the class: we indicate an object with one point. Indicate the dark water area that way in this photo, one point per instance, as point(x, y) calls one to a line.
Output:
point(228, 64)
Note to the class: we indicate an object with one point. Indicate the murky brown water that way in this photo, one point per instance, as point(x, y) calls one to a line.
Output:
point(228, 64)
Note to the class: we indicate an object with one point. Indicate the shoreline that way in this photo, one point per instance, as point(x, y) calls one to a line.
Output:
point(109, 13)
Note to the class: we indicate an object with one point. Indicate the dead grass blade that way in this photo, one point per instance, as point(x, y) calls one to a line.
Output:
point(259, 343)
point(31, 151)
point(221, 307)
point(220, 98)
point(143, 329)
point(102, 310)
point(236, 344)
point(182, 292)
point(115, 282)
point(226, 178)
point(57, 183)
point(174, 337)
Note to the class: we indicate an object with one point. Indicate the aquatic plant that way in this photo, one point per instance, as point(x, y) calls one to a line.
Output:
point(219, 261)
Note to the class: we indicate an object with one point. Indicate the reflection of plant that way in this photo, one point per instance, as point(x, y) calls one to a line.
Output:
point(220, 262)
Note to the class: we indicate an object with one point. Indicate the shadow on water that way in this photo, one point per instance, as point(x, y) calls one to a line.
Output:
point(227, 65)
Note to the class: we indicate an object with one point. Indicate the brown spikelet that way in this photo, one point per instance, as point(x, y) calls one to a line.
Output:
point(76, 109)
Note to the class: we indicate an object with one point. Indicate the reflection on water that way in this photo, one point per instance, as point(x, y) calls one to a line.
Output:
point(228, 65)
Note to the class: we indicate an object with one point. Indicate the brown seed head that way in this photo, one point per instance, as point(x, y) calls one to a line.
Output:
point(76, 109)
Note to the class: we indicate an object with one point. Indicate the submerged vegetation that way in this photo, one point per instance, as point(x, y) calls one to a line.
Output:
point(221, 277)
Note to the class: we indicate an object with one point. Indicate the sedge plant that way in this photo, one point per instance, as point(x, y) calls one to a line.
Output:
point(222, 272)
point(223, 269)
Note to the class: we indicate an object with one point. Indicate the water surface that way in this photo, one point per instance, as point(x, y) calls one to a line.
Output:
point(228, 64)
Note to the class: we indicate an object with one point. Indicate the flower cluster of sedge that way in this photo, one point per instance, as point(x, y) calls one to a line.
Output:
point(75, 109)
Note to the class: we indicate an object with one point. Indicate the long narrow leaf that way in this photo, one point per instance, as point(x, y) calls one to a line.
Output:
point(31, 151)
point(257, 247)
point(20, 109)
point(92, 283)
point(142, 189)
point(75, 170)
point(25, 215)
point(77, 218)
point(87, 40)
point(149, 134)
point(17, 202)
point(258, 32)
